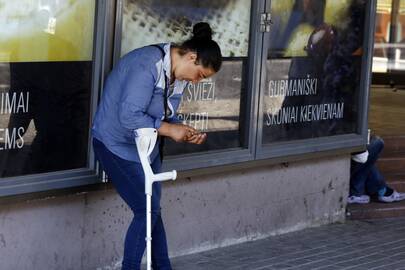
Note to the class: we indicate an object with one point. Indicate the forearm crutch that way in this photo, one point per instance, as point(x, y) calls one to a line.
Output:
point(145, 139)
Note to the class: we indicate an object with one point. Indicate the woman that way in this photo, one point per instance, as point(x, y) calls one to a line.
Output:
point(133, 98)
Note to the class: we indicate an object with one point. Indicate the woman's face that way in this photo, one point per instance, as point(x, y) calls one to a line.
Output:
point(190, 70)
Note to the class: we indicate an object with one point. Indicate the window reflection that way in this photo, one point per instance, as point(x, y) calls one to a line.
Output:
point(45, 85)
point(214, 105)
point(147, 22)
point(389, 38)
point(313, 69)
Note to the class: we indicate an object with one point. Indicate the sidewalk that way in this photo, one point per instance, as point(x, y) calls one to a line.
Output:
point(369, 244)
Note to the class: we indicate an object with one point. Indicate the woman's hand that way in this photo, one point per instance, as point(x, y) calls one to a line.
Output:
point(182, 133)
point(197, 138)
point(178, 132)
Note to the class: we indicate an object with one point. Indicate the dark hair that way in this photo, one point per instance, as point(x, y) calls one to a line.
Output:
point(208, 51)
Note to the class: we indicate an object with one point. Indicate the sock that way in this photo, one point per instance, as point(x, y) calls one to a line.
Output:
point(381, 192)
point(389, 191)
point(385, 191)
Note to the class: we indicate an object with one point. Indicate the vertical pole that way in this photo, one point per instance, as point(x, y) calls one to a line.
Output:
point(148, 230)
point(393, 35)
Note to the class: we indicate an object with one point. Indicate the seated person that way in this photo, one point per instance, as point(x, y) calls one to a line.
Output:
point(365, 178)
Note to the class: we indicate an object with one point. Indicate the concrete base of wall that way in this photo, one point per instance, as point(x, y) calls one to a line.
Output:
point(86, 231)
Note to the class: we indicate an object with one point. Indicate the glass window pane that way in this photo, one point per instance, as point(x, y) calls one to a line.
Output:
point(313, 69)
point(45, 85)
point(389, 38)
point(213, 105)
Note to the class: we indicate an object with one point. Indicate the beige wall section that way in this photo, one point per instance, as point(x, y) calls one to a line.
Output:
point(86, 231)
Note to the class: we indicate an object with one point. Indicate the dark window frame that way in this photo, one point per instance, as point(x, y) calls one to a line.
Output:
point(104, 12)
point(230, 155)
point(106, 51)
point(346, 142)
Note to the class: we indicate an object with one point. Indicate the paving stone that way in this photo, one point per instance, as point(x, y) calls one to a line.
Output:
point(354, 245)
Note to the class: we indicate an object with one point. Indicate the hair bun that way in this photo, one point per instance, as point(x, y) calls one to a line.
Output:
point(202, 31)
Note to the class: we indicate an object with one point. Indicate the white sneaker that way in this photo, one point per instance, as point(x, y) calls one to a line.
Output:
point(394, 197)
point(362, 199)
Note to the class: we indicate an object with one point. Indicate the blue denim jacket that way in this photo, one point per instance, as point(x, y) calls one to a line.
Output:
point(133, 98)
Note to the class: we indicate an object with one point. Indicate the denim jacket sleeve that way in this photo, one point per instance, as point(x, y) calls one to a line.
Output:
point(174, 102)
point(137, 90)
point(175, 120)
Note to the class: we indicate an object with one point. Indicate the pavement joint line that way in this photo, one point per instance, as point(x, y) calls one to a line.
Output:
point(373, 261)
point(379, 230)
point(305, 257)
point(278, 258)
point(337, 245)
point(388, 264)
point(371, 254)
point(347, 253)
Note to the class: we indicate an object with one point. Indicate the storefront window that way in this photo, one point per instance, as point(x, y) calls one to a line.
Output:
point(389, 47)
point(313, 69)
point(213, 105)
point(45, 85)
point(279, 94)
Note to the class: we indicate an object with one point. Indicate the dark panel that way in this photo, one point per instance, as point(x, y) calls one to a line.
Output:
point(44, 117)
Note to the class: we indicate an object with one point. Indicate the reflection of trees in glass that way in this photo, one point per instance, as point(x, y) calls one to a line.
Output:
point(294, 21)
point(27, 21)
point(153, 21)
point(333, 56)
point(305, 14)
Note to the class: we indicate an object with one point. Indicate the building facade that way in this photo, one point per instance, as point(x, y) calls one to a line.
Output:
point(282, 116)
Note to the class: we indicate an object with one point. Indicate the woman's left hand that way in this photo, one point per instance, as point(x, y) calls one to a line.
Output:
point(197, 138)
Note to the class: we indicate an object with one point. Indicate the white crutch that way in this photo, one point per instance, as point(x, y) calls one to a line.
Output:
point(145, 139)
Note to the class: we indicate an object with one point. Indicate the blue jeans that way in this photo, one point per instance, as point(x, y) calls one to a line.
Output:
point(129, 181)
point(365, 178)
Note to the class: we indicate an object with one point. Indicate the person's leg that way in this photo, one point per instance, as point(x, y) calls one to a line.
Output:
point(378, 188)
point(375, 181)
point(160, 256)
point(361, 171)
point(374, 149)
point(376, 185)
point(358, 178)
point(135, 242)
point(128, 179)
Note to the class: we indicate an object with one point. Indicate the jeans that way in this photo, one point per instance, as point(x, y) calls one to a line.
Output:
point(365, 178)
point(129, 181)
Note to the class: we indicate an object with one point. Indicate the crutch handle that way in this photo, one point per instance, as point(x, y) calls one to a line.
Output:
point(165, 176)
